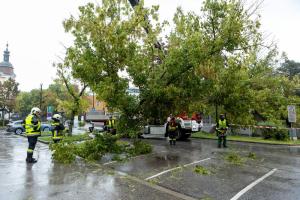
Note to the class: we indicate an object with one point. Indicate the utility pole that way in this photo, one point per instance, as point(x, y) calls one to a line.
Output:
point(93, 101)
point(216, 106)
point(41, 96)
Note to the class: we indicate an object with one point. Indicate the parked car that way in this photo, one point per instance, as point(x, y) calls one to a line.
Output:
point(17, 127)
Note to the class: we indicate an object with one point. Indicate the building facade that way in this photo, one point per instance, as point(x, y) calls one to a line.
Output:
point(6, 68)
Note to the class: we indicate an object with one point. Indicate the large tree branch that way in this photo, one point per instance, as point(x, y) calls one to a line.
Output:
point(82, 90)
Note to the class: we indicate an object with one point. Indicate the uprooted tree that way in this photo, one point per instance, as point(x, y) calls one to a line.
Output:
point(216, 59)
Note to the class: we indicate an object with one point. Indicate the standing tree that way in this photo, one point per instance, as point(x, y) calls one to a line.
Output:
point(76, 104)
point(289, 68)
point(8, 93)
point(214, 58)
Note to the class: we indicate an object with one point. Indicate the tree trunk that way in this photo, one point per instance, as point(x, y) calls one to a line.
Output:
point(3, 124)
point(71, 123)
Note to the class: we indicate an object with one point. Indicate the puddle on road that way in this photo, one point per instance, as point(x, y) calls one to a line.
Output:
point(167, 157)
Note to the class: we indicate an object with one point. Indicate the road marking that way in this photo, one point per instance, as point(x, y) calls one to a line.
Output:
point(197, 162)
point(153, 186)
point(108, 163)
point(162, 189)
point(169, 170)
point(246, 189)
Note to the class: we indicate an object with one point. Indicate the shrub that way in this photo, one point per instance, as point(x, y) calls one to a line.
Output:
point(282, 134)
point(278, 134)
point(268, 133)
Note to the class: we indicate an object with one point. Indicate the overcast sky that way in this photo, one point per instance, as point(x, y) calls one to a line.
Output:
point(34, 32)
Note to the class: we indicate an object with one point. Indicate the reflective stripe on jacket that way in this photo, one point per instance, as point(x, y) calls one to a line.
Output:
point(32, 126)
point(111, 123)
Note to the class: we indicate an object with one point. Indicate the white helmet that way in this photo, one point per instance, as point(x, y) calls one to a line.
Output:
point(35, 111)
point(56, 116)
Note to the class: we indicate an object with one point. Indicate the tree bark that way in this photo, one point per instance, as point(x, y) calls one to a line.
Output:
point(71, 123)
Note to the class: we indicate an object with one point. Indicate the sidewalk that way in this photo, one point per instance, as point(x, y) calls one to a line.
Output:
point(49, 180)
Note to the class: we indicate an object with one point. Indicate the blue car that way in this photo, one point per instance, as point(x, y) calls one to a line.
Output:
point(17, 128)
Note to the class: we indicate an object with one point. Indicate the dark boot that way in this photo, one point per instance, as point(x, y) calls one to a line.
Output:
point(219, 141)
point(29, 155)
point(170, 142)
point(29, 158)
point(224, 142)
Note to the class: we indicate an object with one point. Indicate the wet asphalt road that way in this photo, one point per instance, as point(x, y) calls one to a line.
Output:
point(172, 169)
point(49, 180)
point(226, 179)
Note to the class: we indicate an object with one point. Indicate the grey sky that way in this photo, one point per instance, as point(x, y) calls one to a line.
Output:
point(35, 34)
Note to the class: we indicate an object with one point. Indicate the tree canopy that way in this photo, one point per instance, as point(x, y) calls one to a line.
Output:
point(213, 58)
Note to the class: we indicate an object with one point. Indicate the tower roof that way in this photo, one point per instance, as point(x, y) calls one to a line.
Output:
point(5, 62)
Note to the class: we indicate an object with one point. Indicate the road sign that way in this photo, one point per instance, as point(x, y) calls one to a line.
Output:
point(50, 109)
point(292, 113)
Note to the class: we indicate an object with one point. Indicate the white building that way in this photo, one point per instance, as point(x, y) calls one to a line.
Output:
point(6, 68)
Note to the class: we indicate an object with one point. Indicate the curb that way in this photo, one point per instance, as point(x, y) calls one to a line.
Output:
point(22, 135)
point(288, 145)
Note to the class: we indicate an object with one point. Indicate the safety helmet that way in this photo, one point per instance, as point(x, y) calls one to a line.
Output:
point(56, 116)
point(35, 111)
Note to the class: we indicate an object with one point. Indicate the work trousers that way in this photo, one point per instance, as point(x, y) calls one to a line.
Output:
point(220, 138)
point(172, 137)
point(31, 143)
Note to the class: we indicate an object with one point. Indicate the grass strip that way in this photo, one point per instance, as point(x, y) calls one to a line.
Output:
point(238, 138)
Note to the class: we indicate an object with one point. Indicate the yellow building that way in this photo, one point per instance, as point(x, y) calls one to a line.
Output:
point(95, 104)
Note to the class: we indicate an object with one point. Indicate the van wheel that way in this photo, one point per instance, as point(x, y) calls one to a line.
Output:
point(179, 135)
point(18, 131)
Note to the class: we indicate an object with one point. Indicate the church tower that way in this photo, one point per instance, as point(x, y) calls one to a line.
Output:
point(6, 68)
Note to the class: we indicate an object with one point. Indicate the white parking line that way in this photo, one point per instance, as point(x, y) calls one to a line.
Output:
point(169, 170)
point(196, 162)
point(108, 163)
point(246, 189)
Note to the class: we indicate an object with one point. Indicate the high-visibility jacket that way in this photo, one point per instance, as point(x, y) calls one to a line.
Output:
point(32, 126)
point(172, 127)
point(57, 130)
point(222, 124)
point(111, 123)
point(222, 127)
